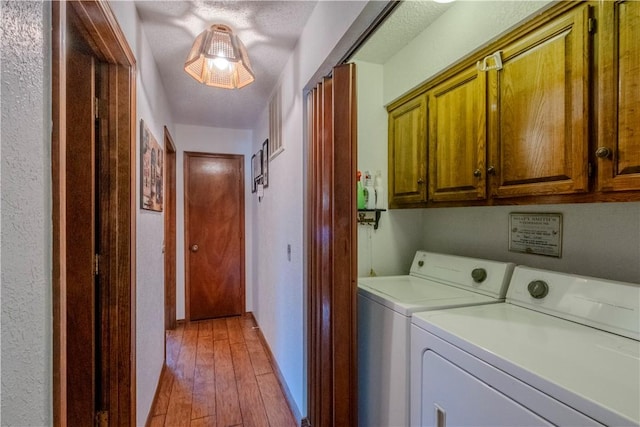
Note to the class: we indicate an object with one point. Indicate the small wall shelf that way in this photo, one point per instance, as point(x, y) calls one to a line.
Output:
point(370, 217)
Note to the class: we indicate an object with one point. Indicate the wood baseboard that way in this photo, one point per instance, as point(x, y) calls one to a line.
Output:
point(276, 370)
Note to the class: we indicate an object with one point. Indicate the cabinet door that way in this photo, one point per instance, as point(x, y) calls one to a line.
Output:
point(538, 113)
point(407, 153)
point(618, 145)
point(457, 138)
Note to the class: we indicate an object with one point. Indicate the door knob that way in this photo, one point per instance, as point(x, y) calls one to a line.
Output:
point(194, 248)
point(420, 181)
point(603, 152)
point(491, 170)
point(477, 173)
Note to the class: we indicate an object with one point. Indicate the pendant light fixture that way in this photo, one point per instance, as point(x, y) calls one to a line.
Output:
point(218, 58)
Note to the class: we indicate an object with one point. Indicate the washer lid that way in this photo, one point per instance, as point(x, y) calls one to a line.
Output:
point(486, 277)
point(408, 294)
point(595, 372)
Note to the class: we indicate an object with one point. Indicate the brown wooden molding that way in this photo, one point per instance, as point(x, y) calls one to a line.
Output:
point(58, 155)
point(170, 231)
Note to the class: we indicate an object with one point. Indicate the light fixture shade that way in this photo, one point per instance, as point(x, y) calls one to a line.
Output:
point(218, 58)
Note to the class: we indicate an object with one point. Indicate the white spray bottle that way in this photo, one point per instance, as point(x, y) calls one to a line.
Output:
point(379, 189)
point(371, 192)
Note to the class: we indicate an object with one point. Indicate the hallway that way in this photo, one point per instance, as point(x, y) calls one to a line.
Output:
point(219, 374)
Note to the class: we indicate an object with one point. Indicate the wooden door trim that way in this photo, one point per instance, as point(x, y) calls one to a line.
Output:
point(99, 28)
point(187, 285)
point(170, 232)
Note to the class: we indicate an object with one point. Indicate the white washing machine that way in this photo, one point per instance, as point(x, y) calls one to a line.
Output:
point(563, 350)
point(385, 305)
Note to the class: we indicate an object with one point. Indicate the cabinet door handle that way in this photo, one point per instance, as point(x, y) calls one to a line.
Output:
point(420, 181)
point(491, 170)
point(477, 173)
point(603, 152)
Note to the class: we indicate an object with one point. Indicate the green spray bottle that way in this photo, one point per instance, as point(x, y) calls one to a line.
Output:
point(360, 192)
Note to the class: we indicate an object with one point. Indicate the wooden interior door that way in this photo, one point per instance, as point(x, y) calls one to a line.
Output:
point(169, 232)
point(214, 235)
point(332, 288)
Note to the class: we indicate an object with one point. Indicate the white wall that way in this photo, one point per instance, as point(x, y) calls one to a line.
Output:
point(219, 141)
point(388, 250)
point(279, 293)
point(26, 214)
point(599, 239)
point(466, 26)
point(153, 108)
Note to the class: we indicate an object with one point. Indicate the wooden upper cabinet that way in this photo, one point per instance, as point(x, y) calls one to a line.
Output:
point(538, 111)
point(617, 148)
point(457, 138)
point(408, 153)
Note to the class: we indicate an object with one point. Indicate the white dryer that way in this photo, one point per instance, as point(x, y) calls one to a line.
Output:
point(563, 350)
point(385, 305)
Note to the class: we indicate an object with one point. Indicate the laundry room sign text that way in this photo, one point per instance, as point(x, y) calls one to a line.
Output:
point(536, 233)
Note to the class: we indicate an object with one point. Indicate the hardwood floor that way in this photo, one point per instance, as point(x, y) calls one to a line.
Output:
point(218, 374)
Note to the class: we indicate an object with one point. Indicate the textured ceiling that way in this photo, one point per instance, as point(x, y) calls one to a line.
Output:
point(268, 29)
point(408, 20)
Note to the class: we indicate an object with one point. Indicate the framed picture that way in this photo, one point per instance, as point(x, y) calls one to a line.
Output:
point(151, 172)
point(265, 163)
point(256, 170)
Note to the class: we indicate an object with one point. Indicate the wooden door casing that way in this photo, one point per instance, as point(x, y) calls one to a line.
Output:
point(214, 235)
point(408, 153)
point(619, 96)
point(81, 211)
point(458, 138)
point(538, 111)
point(169, 232)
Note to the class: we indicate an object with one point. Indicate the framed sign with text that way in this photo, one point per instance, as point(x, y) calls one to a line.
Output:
point(536, 233)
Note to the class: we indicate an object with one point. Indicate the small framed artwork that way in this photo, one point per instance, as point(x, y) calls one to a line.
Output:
point(253, 173)
point(151, 170)
point(256, 170)
point(265, 163)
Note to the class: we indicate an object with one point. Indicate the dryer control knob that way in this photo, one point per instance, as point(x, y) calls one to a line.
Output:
point(479, 275)
point(538, 289)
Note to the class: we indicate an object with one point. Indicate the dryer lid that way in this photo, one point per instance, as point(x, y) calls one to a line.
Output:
point(604, 304)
